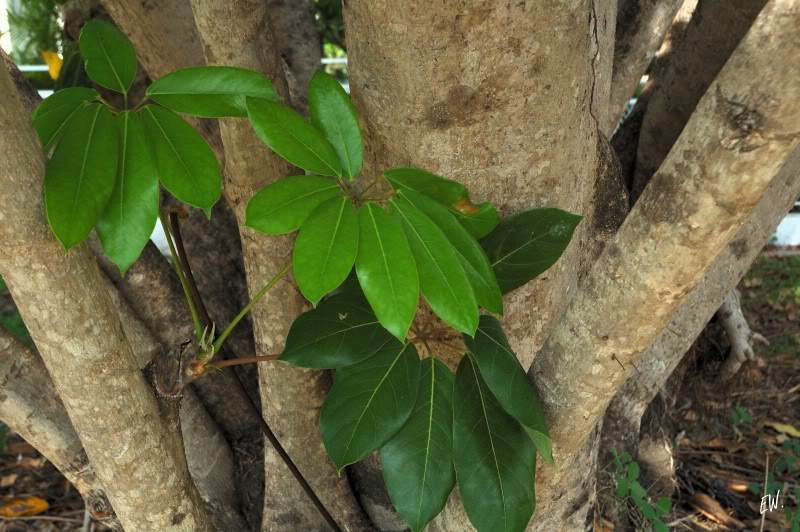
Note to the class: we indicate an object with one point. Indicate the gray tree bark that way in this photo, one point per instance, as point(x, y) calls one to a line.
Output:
point(238, 33)
point(732, 148)
point(131, 449)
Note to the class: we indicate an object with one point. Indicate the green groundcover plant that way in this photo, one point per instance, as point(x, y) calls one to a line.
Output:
point(367, 248)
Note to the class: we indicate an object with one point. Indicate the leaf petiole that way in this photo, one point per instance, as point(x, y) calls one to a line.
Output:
point(232, 325)
point(198, 327)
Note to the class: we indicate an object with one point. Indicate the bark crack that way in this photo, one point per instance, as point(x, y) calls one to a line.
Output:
point(593, 18)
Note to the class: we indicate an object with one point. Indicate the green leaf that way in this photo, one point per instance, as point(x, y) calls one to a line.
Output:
point(508, 381)
point(469, 252)
point(211, 91)
point(283, 206)
point(664, 505)
point(186, 164)
point(479, 220)
point(369, 402)
point(290, 136)
point(623, 486)
point(325, 249)
point(418, 460)
point(386, 269)
point(333, 113)
point(525, 245)
point(54, 113)
point(130, 215)
point(494, 458)
point(340, 332)
point(633, 471)
point(109, 55)
point(441, 277)
point(80, 174)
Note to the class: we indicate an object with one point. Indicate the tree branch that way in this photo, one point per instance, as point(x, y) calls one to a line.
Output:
point(32, 409)
point(685, 218)
point(641, 26)
point(73, 323)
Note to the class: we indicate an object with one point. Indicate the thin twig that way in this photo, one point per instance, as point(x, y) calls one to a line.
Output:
point(766, 486)
point(273, 440)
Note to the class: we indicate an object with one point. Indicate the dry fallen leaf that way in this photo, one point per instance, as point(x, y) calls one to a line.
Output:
point(784, 428)
point(22, 507)
point(7, 481)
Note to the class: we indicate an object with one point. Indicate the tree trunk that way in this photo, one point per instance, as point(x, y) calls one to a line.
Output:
point(732, 148)
point(237, 33)
point(132, 449)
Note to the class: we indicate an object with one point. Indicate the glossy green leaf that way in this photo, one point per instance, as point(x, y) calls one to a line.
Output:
point(508, 381)
point(525, 245)
point(469, 252)
point(441, 277)
point(283, 206)
point(187, 166)
point(333, 113)
point(418, 460)
point(290, 136)
point(341, 331)
point(54, 113)
point(130, 215)
point(325, 249)
point(369, 402)
point(211, 91)
point(109, 55)
point(479, 219)
point(386, 269)
point(494, 458)
point(80, 174)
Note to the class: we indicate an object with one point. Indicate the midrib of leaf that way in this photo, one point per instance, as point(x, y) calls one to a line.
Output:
point(372, 396)
point(341, 331)
point(111, 64)
point(344, 144)
point(171, 145)
point(298, 198)
point(523, 246)
point(428, 440)
point(307, 147)
point(64, 123)
point(333, 238)
point(436, 263)
point(383, 255)
point(458, 251)
point(491, 442)
point(122, 165)
point(83, 163)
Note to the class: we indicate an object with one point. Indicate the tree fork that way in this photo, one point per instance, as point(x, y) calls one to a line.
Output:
point(744, 141)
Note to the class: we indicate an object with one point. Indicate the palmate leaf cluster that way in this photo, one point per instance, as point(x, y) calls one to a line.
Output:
point(367, 249)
